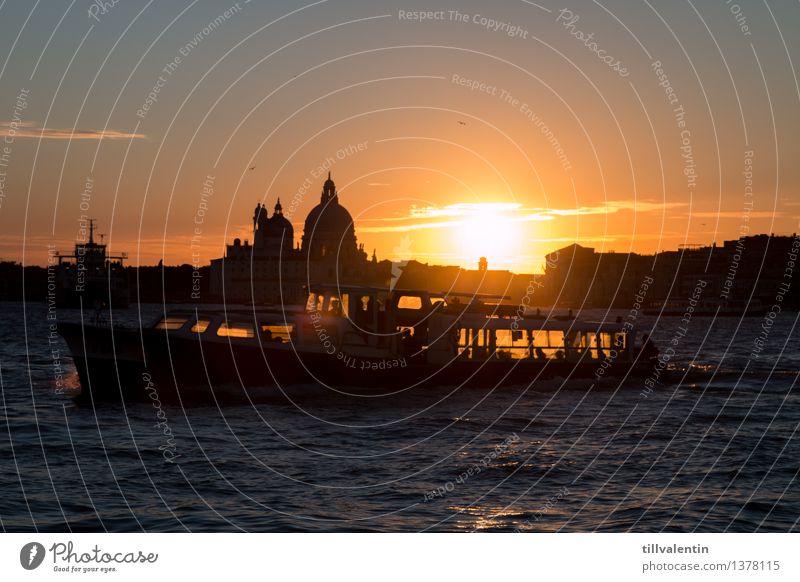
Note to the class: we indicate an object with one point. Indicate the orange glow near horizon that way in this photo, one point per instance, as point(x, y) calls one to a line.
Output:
point(459, 234)
point(489, 230)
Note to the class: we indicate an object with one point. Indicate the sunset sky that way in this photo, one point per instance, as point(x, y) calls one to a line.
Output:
point(505, 129)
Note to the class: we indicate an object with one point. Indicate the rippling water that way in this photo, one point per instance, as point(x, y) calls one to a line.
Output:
point(715, 449)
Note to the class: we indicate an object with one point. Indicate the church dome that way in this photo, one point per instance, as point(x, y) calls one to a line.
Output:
point(329, 227)
point(327, 219)
point(279, 226)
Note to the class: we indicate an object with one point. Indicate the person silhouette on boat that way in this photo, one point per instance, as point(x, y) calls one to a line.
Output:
point(648, 350)
point(266, 336)
point(411, 344)
point(336, 307)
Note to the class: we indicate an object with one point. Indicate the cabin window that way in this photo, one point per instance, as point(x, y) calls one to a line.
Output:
point(277, 333)
point(512, 343)
point(549, 344)
point(477, 337)
point(233, 329)
point(332, 304)
point(555, 339)
point(200, 326)
point(172, 322)
point(539, 338)
point(575, 340)
point(474, 342)
point(409, 302)
point(337, 305)
point(345, 302)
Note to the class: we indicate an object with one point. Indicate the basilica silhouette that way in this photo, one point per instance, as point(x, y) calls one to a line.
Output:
point(274, 271)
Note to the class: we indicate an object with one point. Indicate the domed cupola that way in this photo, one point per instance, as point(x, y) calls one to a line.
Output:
point(328, 190)
point(328, 230)
point(279, 228)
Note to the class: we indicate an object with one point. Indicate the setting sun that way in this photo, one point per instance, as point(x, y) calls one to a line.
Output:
point(489, 230)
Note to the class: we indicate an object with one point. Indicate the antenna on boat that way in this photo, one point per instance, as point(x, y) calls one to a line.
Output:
point(91, 231)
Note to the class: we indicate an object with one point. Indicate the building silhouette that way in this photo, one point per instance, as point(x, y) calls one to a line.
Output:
point(274, 271)
point(745, 272)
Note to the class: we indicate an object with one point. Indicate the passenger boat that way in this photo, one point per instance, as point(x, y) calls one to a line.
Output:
point(354, 340)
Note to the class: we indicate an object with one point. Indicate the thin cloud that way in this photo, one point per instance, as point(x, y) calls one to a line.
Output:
point(407, 227)
point(736, 214)
point(611, 237)
point(509, 211)
point(577, 240)
point(614, 206)
point(462, 209)
point(30, 130)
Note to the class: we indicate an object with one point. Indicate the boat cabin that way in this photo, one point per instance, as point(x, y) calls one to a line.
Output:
point(230, 324)
point(378, 322)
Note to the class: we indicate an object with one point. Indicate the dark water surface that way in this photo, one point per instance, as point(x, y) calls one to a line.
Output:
point(715, 449)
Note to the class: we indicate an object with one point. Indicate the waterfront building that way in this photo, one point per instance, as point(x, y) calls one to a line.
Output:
point(273, 270)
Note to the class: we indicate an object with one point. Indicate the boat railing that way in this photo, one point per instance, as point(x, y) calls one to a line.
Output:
point(475, 342)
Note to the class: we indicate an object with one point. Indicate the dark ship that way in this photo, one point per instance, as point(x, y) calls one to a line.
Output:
point(352, 341)
point(91, 278)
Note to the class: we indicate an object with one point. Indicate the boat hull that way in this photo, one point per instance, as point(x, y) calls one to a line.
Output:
point(146, 365)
